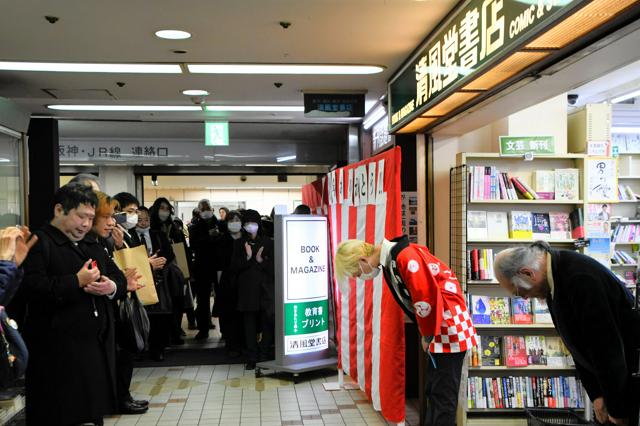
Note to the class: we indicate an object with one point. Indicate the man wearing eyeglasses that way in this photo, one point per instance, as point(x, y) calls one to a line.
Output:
point(593, 313)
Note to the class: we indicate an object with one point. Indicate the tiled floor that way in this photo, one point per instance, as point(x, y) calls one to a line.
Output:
point(229, 395)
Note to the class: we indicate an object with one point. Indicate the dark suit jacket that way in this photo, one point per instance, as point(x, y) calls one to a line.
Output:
point(593, 314)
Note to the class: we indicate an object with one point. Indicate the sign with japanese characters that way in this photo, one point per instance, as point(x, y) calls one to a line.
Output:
point(602, 179)
point(216, 133)
point(520, 145)
point(333, 105)
point(473, 38)
point(306, 284)
point(380, 135)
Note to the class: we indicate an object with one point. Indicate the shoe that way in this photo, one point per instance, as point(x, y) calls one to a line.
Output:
point(131, 408)
point(177, 342)
point(192, 326)
point(202, 335)
point(140, 402)
point(250, 366)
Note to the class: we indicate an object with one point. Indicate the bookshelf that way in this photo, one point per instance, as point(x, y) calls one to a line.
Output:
point(462, 201)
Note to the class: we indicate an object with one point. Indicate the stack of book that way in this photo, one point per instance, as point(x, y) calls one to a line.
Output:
point(480, 264)
point(524, 392)
point(626, 233)
point(489, 183)
point(506, 310)
point(521, 351)
point(524, 225)
point(625, 193)
point(621, 257)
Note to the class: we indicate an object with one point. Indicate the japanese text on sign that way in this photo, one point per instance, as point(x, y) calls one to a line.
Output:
point(518, 145)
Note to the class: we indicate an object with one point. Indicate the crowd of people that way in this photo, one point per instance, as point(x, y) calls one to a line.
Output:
point(69, 298)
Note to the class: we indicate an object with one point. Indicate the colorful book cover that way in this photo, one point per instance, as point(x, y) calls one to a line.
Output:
point(499, 310)
point(541, 313)
point(541, 225)
point(520, 225)
point(553, 349)
point(559, 225)
point(567, 184)
point(491, 350)
point(480, 313)
point(521, 311)
point(577, 223)
point(536, 350)
point(476, 225)
point(515, 350)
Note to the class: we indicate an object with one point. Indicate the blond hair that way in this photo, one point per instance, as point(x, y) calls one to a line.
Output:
point(348, 255)
point(106, 205)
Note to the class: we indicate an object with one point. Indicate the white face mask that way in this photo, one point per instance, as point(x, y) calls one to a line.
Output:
point(368, 275)
point(251, 228)
point(234, 227)
point(163, 215)
point(207, 214)
point(131, 222)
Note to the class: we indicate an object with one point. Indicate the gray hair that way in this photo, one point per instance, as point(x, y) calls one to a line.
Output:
point(513, 259)
point(85, 179)
point(204, 202)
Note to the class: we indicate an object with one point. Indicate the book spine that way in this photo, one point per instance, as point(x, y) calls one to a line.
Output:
point(520, 188)
point(475, 264)
point(487, 183)
point(529, 189)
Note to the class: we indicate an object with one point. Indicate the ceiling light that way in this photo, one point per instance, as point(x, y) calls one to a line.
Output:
point(124, 107)
point(282, 69)
point(625, 97)
point(286, 158)
point(373, 117)
point(254, 108)
point(173, 34)
point(195, 92)
point(4, 160)
point(97, 68)
point(625, 130)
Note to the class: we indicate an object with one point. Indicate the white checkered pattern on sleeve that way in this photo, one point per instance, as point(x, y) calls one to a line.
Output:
point(457, 333)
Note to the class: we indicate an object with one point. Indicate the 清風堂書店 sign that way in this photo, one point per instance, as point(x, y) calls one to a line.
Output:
point(474, 37)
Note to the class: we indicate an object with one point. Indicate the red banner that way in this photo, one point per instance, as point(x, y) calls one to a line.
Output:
point(362, 201)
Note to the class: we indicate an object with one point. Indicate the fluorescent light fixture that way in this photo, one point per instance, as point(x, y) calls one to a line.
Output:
point(625, 97)
point(10, 132)
point(85, 67)
point(373, 117)
point(282, 69)
point(625, 130)
point(173, 34)
point(4, 160)
point(286, 158)
point(195, 92)
point(125, 107)
point(77, 164)
point(254, 108)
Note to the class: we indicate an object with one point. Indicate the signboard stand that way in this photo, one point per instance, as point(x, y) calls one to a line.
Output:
point(301, 295)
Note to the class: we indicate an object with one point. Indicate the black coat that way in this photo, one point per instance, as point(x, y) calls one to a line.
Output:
point(70, 334)
point(253, 279)
point(594, 316)
point(204, 236)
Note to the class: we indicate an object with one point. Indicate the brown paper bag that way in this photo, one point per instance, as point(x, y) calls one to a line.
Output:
point(137, 257)
point(181, 258)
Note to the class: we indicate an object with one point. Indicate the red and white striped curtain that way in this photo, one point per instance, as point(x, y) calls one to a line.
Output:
point(362, 201)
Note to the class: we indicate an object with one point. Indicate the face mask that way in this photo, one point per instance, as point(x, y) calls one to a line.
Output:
point(207, 214)
point(251, 228)
point(142, 230)
point(163, 215)
point(369, 275)
point(131, 222)
point(234, 227)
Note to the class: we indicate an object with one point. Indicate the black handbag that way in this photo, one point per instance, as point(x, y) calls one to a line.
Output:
point(133, 324)
point(13, 351)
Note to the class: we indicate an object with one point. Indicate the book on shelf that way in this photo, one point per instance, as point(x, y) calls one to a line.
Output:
point(515, 351)
point(621, 257)
point(480, 313)
point(536, 350)
point(541, 226)
point(524, 392)
point(567, 184)
point(626, 193)
point(540, 310)
point(577, 223)
point(522, 190)
point(480, 264)
point(476, 225)
point(557, 353)
point(491, 351)
point(521, 311)
point(520, 225)
point(497, 225)
point(544, 184)
point(560, 227)
point(499, 310)
point(627, 233)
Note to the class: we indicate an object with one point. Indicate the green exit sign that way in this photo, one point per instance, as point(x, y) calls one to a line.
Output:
point(216, 133)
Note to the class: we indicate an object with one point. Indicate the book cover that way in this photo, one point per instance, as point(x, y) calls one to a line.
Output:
point(577, 223)
point(528, 187)
point(480, 313)
point(491, 347)
point(553, 349)
point(497, 225)
point(499, 310)
point(541, 223)
point(521, 311)
point(544, 184)
point(541, 313)
point(515, 351)
point(567, 184)
point(559, 226)
point(476, 225)
point(520, 226)
point(536, 350)
point(521, 189)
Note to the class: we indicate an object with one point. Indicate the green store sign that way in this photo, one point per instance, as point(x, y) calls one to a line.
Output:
point(306, 317)
point(476, 35)
point(519, 145)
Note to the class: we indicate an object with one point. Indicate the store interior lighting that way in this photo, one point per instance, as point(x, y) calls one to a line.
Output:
point(625, 97)
point(174, 108)
point(91, 68)
point(283, 69)
point(173, 34)
point(286, 158)
point(255, 108)
point(373, 117)
point(631, 130)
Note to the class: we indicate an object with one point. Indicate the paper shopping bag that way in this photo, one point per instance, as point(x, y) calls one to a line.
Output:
point(137, 257)
point(181, 258)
